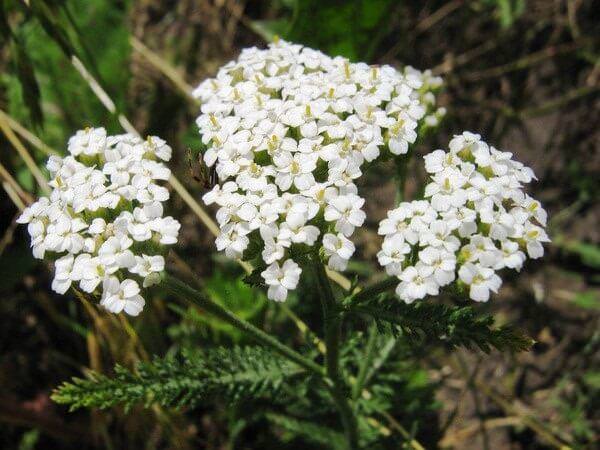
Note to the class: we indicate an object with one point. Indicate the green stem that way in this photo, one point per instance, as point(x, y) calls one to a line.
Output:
point(371, 291)
point(183, 291)
point(333, 327)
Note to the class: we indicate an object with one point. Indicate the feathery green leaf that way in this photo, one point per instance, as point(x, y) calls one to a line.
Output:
point(186, 380)
point(453, 326)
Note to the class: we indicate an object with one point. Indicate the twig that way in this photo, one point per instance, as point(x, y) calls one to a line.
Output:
point(424, 25)
point(102, 95)
point(437, 15)
point(416, 445)
point(476, 400)
point(304, 329)
point(509, 408)
point(454, 62)
point(194, 205)
point(556, 103)
point(454, 439)
point(526, 61)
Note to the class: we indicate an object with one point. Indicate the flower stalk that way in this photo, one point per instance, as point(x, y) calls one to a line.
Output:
point(185, 292)
point(332, 319)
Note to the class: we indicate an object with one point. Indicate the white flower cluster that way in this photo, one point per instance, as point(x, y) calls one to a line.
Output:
point(475, 220)
point(105, 215)
point(288, 129)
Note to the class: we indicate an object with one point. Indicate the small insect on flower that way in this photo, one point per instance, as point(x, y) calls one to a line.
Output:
point(105, 217)
point(206, 176)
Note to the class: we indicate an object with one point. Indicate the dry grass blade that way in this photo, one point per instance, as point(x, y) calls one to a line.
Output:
point(169, 71)
point(194, 205)
point(24, 154)
point(27, 135)
point(102, 95)
point(7, 238)
point(14, 197)
point(15, 188)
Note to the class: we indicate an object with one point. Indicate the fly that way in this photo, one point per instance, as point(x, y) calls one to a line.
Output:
point(206, 176)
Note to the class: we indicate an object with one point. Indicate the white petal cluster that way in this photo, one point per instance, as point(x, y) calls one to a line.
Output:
point(475, 220)
point(104, 217)
point(288, 130)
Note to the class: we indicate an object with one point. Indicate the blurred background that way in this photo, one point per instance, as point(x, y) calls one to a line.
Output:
point(523, 73)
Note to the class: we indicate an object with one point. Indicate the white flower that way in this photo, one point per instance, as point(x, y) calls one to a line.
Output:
point(511, 256)
point(123, 296)
point(442, 262)
point(439, 234)
point(152, 193)
point(296, 170)
point(416, 282)
point(480, 248)
point(92, 272)
point(167, 228)
point(446, 190)
point(346, 213)
point(87, 142)
point(63, 276)
point(397, 220)
point(461, 219)
point(156, 146)
point(275, 246)
point(393, 253)
point(402, 133)
point(233, 239)
point(115, 253)
point(339, 249)
point(481, 281)
point(148, 267)
point(294, 229)
point(280, 279)
point(534, 236)
point(439, 160)
point(466, 143)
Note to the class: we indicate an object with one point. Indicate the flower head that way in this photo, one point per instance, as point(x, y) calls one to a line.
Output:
point(288, 129)
point(475, 220)
point(105, 216)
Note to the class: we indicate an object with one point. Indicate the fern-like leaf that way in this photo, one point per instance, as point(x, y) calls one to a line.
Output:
point(186, 380)
point(453, 326)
